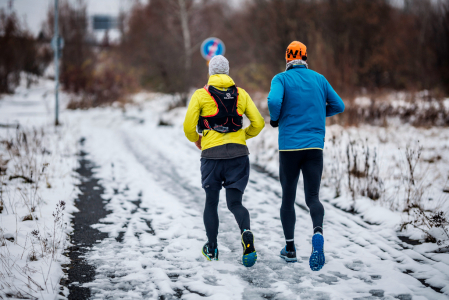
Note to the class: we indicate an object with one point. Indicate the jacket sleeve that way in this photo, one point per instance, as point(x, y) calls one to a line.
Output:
point(334, 103)
point(275, 97)
point(191, 119)
point(256, 119)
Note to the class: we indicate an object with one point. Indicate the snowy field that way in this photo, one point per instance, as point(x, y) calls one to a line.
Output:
point(155, 230)
point(382, 152)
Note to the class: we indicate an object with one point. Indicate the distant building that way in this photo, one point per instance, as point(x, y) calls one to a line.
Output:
point(105, 28)
point(104, 22)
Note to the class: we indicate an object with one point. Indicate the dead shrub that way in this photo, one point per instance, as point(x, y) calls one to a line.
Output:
point(110, 82)
point(363, 171)
point(19, 52)
point(336, 175)
point(32, 256)
point(418, 109)
point(414, 188)
point(94, 77)
point(27, 166)
point(426, 221)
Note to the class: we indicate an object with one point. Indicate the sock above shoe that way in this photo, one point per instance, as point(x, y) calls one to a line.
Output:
point(318, 229)
point(290, 246)
point(212, 245)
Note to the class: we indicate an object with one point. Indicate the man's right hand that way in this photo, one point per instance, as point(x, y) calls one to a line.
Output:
point(274, 124)
point(198, 143)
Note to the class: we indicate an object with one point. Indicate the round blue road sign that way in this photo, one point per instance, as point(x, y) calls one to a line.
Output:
point(211, 47)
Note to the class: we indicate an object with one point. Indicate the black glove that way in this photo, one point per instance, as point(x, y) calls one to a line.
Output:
point(274, 124)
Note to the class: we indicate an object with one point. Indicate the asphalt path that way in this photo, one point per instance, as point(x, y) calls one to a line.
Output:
point(91, 210)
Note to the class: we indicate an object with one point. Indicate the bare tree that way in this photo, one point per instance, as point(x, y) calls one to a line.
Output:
point(18, 52)
point(184, 16)
point(356, 44)
point(183, 12)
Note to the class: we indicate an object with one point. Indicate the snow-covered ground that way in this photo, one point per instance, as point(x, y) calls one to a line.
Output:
point(34, 223)
point(385, 150)
point(152, 178)
point(152, 187)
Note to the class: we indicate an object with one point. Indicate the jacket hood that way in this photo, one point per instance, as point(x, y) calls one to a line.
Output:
point(221, 81)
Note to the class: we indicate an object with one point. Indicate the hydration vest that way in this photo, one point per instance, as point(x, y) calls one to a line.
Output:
point(226, 119)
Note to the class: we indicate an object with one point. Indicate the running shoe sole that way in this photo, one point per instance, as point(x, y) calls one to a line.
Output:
point(249, 259)
point(317, 260)
point(205, 255)
point(288, 259)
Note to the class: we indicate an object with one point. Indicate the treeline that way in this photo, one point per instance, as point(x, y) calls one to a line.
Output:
point(359, 45)
point(90, 69)
point(369, 44)
point(19, 52)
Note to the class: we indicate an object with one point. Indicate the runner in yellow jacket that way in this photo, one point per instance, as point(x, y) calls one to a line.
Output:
point(218, 109)
point(202, 104)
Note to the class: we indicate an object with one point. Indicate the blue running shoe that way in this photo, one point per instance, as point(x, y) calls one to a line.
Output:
point(249, 257)
point(288, 256)
point(316, 261)
point(210, 254)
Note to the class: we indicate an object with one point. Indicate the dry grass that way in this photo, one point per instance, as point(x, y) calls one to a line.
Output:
point(109, 83)
point(22, 178)
point(418, 109)
point(362, 170)
point(356, 164)
point(426, 221)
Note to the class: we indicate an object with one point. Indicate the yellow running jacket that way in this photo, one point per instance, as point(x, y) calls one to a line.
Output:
point(203, 104)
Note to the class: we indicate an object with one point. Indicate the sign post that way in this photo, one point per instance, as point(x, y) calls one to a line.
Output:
point(55, 44)
point(212, 46)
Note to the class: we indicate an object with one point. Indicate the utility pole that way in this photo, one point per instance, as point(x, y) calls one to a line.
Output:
point(56, 48)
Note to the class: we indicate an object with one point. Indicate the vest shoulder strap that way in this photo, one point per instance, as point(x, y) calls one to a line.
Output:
point(206, 87)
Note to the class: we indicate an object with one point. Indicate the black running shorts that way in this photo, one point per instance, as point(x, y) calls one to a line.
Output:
point(229, 173)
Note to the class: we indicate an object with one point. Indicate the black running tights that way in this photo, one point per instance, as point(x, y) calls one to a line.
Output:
point(290, 165)
point(234, 202)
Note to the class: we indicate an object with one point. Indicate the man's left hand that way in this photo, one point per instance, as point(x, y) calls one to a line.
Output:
point(198, 143)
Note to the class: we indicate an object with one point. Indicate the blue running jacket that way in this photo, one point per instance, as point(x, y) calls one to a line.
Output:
point(301, 99)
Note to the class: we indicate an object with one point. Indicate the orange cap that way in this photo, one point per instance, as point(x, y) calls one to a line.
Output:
point(296, 50)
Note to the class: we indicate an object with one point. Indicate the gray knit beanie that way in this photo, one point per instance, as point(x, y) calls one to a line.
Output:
point(218, 65)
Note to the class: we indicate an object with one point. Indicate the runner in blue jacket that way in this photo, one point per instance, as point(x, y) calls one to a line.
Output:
point(299, 102)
